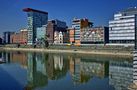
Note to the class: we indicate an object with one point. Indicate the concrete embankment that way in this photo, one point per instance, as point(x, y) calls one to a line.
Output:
point(76, 51)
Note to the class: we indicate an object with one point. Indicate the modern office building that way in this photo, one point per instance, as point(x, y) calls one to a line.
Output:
point(122, 29)
point(95, 35)
point(21, 37)
point(36, 19)
point(78, 25)
point(7, 37)
point(41, 33)
point(55, 25)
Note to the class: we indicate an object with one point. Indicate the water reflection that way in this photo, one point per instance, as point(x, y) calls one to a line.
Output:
point(133, 85)
point(120, 74)
point(44, 68)
point(82, 71)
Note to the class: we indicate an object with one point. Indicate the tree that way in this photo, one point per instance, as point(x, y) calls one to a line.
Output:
point(45, 42)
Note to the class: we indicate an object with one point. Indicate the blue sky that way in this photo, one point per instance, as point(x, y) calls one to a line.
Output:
point(12, 18)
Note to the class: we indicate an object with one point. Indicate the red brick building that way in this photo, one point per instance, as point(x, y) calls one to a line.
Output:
point(20, 37)
point(71, 35)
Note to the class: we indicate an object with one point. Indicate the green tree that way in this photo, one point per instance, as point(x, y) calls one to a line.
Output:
point(45, 42)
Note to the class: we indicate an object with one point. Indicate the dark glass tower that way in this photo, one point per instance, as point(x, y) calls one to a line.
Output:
point(36, 19)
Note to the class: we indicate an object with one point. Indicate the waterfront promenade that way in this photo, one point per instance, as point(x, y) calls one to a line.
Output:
point(75, 51)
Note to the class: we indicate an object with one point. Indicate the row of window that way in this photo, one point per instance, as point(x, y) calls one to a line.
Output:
point(124, 28)
point(122, 35)
point(121, 38)
point(121, 41)
point(121, 31)
point(122, 25)
point(120, 15)
point(122, 21)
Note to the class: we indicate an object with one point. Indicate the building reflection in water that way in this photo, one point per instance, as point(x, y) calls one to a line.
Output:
point(42, 67)
point(5, 57)
point(133, 86)
point(82, 71)
point(18, 57)
point(37, 76)
point(120, 74)
point(57, 67)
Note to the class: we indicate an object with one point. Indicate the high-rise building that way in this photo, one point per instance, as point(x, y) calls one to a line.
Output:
point(7, 37)
point(78, 25)
point(36, 19)
point(122, 29)
point(55, 26)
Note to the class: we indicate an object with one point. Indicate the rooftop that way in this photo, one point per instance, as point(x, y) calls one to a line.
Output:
point(131, 10)
point(34, 10)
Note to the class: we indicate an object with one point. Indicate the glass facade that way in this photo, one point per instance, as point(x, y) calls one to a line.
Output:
point(41, 32)
point(35, 19)
point(122, 28)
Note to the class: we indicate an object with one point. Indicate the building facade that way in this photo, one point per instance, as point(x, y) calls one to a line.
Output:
point(95, 35)
point(55, 26)
point(66, 37)
point(36, 19)
point(21, 37)
point(58, 37)
point(71, 35)
point(7, 37)
point(41, 32)
point(78, 25)
point(122, 29)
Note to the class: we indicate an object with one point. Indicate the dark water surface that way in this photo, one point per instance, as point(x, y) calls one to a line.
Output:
point(44, 71)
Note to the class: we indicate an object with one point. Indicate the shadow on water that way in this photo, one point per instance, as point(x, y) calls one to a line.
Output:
point(47, 71)
point(8, 82)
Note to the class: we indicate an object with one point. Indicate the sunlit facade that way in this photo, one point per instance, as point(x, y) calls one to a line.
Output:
point(78, 25)
point(95, 35)
point(122, 28)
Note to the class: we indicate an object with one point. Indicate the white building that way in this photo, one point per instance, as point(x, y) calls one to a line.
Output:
point(58, 37)
point(122, 28)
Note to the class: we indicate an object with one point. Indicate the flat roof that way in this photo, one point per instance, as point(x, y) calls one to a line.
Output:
point(33, 10)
